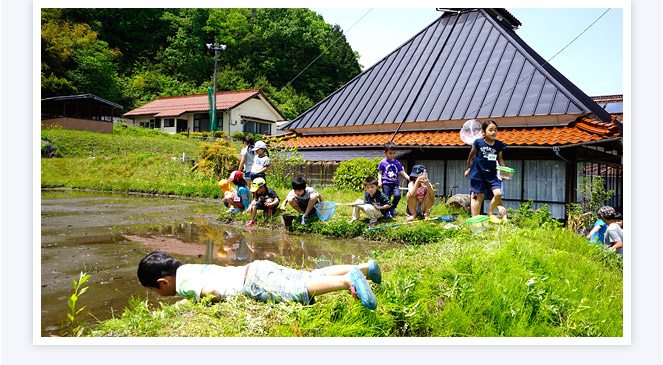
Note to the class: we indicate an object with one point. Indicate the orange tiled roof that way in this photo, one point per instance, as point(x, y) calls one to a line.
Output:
point(581, 131)
point(173, 106)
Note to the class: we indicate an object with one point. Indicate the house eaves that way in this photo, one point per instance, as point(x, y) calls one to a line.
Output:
point(581, 131)
point(83, 97)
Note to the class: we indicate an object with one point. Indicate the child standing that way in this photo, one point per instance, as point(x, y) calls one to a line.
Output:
point(238, 200)
point(246, 159)
point(482, 170)
point(260, 161)
point(264, 198)
point(261, 280)
point(302, 198)
point(420, 197)
point(389, 170)
point(375, 203)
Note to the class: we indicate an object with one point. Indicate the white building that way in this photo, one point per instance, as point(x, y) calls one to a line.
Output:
point(237, 111)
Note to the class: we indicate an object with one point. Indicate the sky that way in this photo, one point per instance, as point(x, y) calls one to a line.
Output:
point(593, 62)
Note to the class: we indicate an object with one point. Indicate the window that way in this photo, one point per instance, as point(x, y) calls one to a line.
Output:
point(544, 181)
point(168, 123)
point(256, 127)
point(201, 122)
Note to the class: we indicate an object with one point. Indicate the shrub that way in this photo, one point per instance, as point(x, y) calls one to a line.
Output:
point(238, 136)
point(218, 158)
point(352, 173)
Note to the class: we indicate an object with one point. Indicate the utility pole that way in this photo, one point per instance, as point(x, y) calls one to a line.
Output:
point(216, 47)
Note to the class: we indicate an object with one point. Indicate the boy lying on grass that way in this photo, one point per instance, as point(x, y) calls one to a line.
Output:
point(261, 280)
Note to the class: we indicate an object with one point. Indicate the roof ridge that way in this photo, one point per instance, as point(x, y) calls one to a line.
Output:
point(205, 94)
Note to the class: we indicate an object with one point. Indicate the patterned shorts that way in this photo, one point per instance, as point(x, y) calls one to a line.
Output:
point(269, 281)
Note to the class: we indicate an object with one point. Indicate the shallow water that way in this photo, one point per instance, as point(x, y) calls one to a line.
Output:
point(106, 235)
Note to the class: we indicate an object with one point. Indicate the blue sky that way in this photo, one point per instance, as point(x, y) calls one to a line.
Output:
point(593, 62)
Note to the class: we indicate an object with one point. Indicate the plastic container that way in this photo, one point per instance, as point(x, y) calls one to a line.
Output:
point(478, 223)
point(504, 173)
point(324, 210)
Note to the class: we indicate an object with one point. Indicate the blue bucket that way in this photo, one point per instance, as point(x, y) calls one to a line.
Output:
point(324, 210)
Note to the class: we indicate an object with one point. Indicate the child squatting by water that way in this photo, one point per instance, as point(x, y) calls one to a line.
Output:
point(261, 280)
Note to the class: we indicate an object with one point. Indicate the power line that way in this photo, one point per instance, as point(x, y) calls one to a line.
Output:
point(524, 78)
point(320, 55)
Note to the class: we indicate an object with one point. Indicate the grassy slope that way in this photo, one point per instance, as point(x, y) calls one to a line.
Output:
point(524, 279)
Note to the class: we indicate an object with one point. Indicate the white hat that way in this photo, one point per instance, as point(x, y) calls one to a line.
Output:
point(259, 145)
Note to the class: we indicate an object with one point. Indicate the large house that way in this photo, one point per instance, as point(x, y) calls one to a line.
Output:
point(237, 111)
point(470, 64)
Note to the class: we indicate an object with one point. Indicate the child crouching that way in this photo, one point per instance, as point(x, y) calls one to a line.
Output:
point(375, 204)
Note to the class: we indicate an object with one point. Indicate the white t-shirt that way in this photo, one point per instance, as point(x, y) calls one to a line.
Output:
point(248, 163)
point(307, 193)
point(191, 279)
point(259, 163)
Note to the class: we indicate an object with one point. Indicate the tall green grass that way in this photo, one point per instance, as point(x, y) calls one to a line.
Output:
point(506, 282)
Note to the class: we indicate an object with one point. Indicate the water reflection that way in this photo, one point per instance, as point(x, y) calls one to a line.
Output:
point(223, 245)
point(106, 235)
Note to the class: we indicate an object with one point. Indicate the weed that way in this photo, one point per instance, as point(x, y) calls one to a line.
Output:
point(75, 326)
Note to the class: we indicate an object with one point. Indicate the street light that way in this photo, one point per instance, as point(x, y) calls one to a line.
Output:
point(216, 47)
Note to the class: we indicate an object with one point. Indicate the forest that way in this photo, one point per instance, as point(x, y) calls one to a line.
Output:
point(133, 56)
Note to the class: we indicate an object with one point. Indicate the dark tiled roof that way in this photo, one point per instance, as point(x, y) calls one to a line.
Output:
point(462, 66)
point(581, 131)
point(82, 97)
point(173, 106)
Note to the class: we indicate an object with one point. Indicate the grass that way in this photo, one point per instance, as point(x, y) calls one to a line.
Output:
point(530, 277)
point(508, 281)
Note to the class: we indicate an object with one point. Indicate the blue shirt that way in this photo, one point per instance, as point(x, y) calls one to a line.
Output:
point(243, 193)
point(484, 165)
point(600, 235)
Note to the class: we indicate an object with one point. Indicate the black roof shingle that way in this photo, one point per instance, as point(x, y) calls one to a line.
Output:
point(463, 65)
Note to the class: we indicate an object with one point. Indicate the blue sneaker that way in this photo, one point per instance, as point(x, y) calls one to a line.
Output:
point(374, 272)
point(361, 290)
point(303, 220)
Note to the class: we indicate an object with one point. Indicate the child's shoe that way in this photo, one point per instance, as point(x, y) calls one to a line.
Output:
point(352, 221)
point(361, 290)
point(249, 224)
point(409, 218)
point(388, 216)
point(303, 222)
point(374, 272)
point(372, 223)
point(234, 211)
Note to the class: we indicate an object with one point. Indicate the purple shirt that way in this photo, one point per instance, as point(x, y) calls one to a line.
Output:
point(390, 170)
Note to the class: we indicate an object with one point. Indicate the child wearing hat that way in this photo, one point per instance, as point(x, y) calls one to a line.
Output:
point(260, 161)
point(264, 198)
point(238, 200)
point(420, 197)
point(614, 236)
